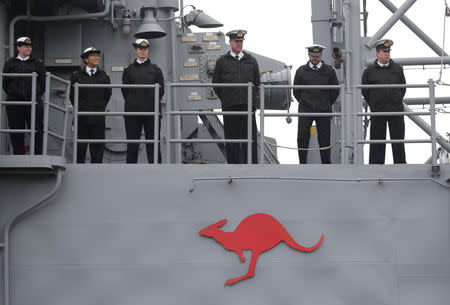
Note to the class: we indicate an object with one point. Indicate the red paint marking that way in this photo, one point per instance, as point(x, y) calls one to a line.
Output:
point(257, 233)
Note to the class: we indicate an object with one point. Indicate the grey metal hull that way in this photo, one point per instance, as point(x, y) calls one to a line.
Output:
point(124, 234)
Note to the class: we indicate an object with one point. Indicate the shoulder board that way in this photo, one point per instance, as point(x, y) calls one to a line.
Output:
point(366, 67)
point(126, 67)
point(156, 66)
point(333, 68)
point(40, 60)
point(107, 74)
point(75, 71)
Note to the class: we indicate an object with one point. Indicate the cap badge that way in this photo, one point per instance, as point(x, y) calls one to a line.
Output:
point(144, 44)
point(387, 44)
point(316, 49)
point(27, 40)
point(240, 34)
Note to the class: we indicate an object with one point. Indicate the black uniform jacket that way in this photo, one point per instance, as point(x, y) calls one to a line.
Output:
point(384, 99)
point(315, 100)
point(142, 99)
point(90, 99)
point(230, 70)
point(20, 88)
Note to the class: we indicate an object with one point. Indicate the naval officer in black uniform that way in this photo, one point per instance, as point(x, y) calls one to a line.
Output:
point(91, 99)
point(385, 71)
point(19, 89)
point(237, 66)
point(315, 72)
point(141, 71)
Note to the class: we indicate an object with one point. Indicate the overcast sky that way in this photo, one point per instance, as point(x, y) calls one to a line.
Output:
point(281, 30)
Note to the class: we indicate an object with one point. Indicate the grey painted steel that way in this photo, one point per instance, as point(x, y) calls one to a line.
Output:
point(426, 127)
point(52, 18)
point(33, 112)
point(433, 121)
point(168, 122)
point(156, 127)
point(46, 110)
point(112, 250)
point(6, 233)
point(416, 30)
point(390, 22)
point(394, 86)
point(3, 37)
point(426, 100)
point(401, 113)
point(75, 121)
point(261, 124)
point(249, 123)
point(417, 61)
point(305, 114)
point(394, 141)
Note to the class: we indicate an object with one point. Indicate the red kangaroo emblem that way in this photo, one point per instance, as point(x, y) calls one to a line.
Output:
point(257, 233)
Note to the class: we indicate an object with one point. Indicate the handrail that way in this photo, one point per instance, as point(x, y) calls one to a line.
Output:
point(432, 112)
point(65, 110)
point(176, 113)
point(297, 114)
point(249, 111)
point(77, 113)
point(32, 129)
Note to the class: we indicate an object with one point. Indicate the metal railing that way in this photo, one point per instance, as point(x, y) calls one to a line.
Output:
point(432, 113)
point(170, 113)
point(77, 113)
point(262, 113)
point(65, 110)
point(32, 129)
point(344, 115)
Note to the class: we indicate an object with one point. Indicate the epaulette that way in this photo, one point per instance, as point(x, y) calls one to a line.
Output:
point(75, 71)
point(40, 60)
point(126, 67)
point(366, 67)
point(333, 68)
point(156, 66)
point(107, 74)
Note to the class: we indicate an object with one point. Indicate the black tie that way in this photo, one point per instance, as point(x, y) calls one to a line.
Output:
point(314, 67)
point(92, 72)
point(237, 57)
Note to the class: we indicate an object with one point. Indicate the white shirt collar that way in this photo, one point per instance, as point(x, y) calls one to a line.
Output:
point(141, 62)
point(23, 59)
point(382, 65)
point(318, 65)
point(88, 70)
point(241, 54)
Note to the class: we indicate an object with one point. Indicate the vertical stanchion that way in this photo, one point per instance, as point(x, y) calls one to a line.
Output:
point(75, 123)
point(156, 126)
point(168, 116)
point(433, 121)
point(46, 112)
point(261, 124)
point(342, 125)
point(33, 112)
point(66, 115)
point(1, 107)
point(249, 123)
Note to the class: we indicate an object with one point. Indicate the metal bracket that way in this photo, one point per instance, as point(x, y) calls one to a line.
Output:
point(435, 171)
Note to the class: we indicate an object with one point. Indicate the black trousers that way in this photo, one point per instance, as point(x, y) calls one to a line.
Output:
point(235, 127)
point(323, 135)
point(91, 130)
point(378, 132)
point(133, 127)
point(18, 118)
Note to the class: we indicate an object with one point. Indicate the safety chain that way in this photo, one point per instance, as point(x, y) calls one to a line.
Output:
point(308, 149)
